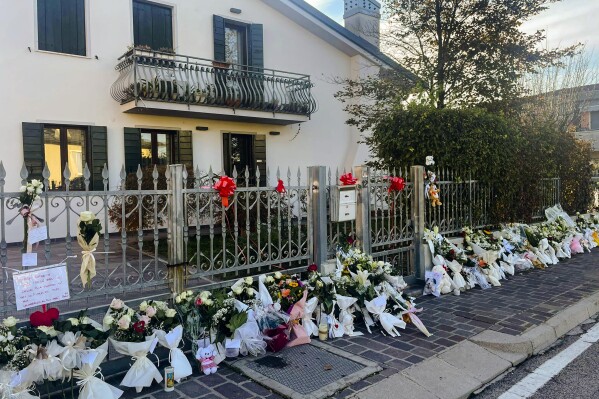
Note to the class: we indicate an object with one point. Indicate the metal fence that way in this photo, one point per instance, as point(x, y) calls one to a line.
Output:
point(165, 219)
point(549, 191)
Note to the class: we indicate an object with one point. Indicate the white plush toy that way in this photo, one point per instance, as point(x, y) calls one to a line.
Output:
point(446, 285)
point(206, 357)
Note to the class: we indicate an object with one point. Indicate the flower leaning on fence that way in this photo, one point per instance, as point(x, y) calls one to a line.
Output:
point(88, 238)
point(29, 193)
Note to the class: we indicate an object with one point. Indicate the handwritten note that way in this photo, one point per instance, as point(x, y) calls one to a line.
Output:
point(39, 287)
point(37, 234)
point(29, 259)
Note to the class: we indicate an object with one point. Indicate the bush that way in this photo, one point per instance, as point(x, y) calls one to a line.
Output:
point(501, 152)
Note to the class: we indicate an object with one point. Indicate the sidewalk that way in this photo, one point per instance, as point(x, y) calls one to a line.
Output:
point(476, 337)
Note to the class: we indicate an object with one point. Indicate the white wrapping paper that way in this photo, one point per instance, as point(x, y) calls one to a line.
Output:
point(90, 380)
point(345, 315)
point(73, 344)
point(16, 385)
point(458, 280)
point(143, 371)
point(172, 341)
point(251, 338)
point(308, 319)
point(389, 322)
point(46, 365)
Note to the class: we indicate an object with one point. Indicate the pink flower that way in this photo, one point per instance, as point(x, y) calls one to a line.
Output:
point(145, 319)
point(150, 311)
point(116, 304)
point(123, 322)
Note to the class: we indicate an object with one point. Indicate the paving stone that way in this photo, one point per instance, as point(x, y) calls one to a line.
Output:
point(233, 391)
point(475, 361)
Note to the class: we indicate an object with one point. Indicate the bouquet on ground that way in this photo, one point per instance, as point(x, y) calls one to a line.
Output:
point(286, 290)
point(11, 339)
point(131, 335)
point(88, 239)
point(243, 290)
point(90, 379)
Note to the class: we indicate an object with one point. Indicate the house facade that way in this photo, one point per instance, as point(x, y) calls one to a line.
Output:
point(589, 119)
point(212, 84)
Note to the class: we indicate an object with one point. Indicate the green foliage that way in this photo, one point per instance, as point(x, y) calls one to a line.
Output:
point(506, 154)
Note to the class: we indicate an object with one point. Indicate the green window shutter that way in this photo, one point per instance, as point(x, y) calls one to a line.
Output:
point(259, 148)
point(152, 25)
point(227, 154)
point(184, 148)
point(132, 149)
point(98, 144)
point(33, 149)
point(256, 46)
point(219, 38)
point(61, 26)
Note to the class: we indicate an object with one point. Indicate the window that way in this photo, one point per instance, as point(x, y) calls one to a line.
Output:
point(61, 26)
point(65, 145)
point(243, 151)
point(236, 44)
point(152, 25)
point(156, 148)
point(594, 120)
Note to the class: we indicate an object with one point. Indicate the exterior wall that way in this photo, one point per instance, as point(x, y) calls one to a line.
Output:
point(45, 87)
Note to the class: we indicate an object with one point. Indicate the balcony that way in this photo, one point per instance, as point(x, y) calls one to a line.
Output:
point(157, 83)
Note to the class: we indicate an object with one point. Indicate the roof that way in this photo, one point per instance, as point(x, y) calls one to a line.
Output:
point(352, 37)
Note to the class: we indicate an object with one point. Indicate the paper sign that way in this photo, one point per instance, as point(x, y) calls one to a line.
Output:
point(39, 287)
point(29, 259)
point(37, 234)
point(232, 343)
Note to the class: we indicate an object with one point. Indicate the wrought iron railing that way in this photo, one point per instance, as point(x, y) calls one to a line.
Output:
point(158, 76)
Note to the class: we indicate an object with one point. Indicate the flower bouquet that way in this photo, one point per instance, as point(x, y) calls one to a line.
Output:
point(88, 239)
point(286, 290)
point(90, 379)
point(29, 194)
point(243, 290)
point(131, 336)
point(298, 334)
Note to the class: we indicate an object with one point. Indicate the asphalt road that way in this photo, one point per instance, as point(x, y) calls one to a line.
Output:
point(578, 380)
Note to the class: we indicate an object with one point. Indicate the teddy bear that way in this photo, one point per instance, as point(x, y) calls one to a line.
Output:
point(206, 358)
point(446, 285)
point(433, 193)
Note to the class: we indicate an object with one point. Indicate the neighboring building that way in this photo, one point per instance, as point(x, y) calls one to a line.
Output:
point(589, 119)
point(129, 82)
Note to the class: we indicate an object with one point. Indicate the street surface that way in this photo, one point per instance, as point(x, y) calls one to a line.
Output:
point(576, 380)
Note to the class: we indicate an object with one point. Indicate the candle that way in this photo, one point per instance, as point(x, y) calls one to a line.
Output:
point(169, 379)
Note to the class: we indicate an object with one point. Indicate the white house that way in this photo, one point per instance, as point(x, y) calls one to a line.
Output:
point(218, 83)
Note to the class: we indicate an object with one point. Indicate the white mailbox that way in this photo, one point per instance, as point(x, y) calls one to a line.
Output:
point(343, 203)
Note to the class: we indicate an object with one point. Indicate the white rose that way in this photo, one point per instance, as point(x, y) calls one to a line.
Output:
point(48, 330)
point(171, 313)
point(189, 292)
point(74, 321)
point(270, 279)
point(130, 312)
point(278, 275)
point(143, 306)
point(250, 291)
point(87, 216)
point(38, 191)
point(208, 302)
point(23, 189)
point(108, 320)
point(183, 295)
point(86, 320)
point(178, 299)
point(30, 190)
point(124, 322)
point(10, 321)
point(249, 280)
point(116, 304)
point(205, 295)
point(237, 290)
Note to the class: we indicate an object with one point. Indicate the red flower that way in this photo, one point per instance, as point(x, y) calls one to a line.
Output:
point(199, 301)
point(350, 240)
point(397, 184)
point(348, 179)
point(281, 187)
point(139, 327)
point(312, 268)
point(225, 186)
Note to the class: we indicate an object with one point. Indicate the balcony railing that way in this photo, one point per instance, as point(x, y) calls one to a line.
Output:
point(158, 76)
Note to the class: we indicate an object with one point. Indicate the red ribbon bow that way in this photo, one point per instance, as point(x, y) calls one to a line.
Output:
point(348, 179)
point(225, 187)
point(397, 184)
point(281, 187)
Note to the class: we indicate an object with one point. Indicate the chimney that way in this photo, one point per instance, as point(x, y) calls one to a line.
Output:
point(363, 17)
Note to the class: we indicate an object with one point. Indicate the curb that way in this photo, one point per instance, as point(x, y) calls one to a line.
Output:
point(466, 367)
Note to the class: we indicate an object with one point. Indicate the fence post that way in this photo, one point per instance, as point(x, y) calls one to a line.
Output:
point(362, 173)
point(418, 204)
point(318, 208)
point(176, 221)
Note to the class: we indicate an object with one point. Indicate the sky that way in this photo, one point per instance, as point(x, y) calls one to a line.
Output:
point(567, 22)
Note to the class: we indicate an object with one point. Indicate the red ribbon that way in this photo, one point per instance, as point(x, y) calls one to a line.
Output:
point(281, 187)
point(225, 187)
point(396, 184)
point(348, 179)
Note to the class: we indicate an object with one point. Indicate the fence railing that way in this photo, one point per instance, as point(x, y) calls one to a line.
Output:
point(158, 76)
point(160, 221)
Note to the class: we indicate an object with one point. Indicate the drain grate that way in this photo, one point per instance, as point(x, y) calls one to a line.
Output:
point(314, 370)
